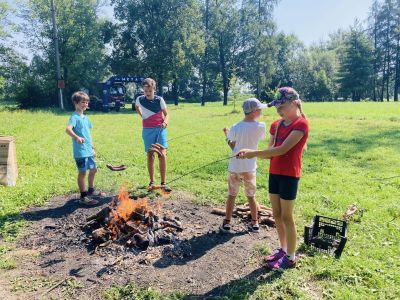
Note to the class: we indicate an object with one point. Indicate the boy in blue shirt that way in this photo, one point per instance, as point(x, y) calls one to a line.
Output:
point(78, 128)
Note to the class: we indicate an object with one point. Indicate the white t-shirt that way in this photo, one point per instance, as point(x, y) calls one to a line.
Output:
point(246, 135)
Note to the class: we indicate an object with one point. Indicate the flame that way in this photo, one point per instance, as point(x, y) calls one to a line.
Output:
point(127, 206)
point(123, 208)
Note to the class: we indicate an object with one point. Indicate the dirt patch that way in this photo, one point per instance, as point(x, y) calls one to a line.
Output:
point(56, 259)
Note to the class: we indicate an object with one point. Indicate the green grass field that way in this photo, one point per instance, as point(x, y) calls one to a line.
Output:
point(352, 146)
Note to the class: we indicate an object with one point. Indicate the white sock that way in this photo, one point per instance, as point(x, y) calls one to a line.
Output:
point(291, 256)
point(284, 249)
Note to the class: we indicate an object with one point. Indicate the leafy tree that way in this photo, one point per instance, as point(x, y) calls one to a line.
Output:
point(258, 43)
point(225, 32)
point(356, 68)
point(81, 45)
point(158, 38)
point(13, 67)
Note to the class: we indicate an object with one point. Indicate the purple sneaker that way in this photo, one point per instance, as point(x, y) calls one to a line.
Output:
point(283, 263)
point(276, 254)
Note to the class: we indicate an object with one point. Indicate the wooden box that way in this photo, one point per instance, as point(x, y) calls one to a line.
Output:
point(8, 161)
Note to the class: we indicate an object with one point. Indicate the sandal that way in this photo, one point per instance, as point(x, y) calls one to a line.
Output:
point(151, 186)
point(87, 201)
point(165, 187)
point(96, 194)
point(254, 227)
point(226, 226)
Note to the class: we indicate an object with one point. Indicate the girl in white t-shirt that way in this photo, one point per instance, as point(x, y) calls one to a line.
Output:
point(245, 134)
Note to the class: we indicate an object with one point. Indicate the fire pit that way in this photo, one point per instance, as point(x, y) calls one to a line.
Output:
point(134, 223)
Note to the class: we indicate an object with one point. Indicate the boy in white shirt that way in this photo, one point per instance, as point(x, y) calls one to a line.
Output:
point(245, 134)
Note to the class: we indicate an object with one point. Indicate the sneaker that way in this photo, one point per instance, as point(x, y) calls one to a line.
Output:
point(276, 255)
point(226, 226)
point(166, 188)
point(96, 194)
point(254, 227)
point(283, 263)
point(151, 186)
point(87, 201)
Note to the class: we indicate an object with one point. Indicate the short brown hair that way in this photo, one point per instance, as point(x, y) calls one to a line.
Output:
point(150, 82)
point(79, 96)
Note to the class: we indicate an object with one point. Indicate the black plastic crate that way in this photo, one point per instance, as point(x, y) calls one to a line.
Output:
point(326, 235)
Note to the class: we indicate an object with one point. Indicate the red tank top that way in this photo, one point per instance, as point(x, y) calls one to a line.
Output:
point(288, 164)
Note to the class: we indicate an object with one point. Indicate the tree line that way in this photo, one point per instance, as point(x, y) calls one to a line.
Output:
point(198, 49)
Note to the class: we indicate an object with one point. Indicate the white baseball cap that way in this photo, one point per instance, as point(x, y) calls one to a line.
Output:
point(252, 104)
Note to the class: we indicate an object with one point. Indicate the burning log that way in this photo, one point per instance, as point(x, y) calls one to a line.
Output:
point(174, 220)
point(101, 235)
point(103, 216)
point(166, 224)
point(132, 222)
point(139, 214)
point(142, 242)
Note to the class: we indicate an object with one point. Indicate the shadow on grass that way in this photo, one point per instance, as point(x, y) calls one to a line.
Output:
point(68, 207)
point(195, 248)
point(240, 288)
point(11, 223)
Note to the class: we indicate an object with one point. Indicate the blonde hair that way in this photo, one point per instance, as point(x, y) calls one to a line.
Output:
point(79, 96)
point(300, 107)
point(150, 82)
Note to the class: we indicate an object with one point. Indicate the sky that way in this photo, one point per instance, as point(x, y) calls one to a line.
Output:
point(312, 20)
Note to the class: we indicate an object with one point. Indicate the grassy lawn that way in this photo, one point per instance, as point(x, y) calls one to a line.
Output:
point(351, 146)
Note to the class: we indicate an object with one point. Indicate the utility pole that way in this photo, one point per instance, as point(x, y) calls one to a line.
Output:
point(60, 82)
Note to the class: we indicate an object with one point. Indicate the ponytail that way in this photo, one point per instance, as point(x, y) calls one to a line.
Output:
point(300, 107)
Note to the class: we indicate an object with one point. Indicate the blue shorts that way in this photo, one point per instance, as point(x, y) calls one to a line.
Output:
point(153, 136)
point(85, 163)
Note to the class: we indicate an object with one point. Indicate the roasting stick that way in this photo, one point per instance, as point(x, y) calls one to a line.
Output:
point(201, 167)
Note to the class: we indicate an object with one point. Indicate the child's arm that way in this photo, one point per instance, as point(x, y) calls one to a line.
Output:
point(138, 110)
point(271, 141)
point(69, 130)
point(231, 144)
point(166, 118)
point(293, 138)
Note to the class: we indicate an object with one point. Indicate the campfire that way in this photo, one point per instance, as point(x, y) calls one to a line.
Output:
point(133, 223)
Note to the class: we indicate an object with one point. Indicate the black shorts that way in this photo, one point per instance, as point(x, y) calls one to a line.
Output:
point(284, 186)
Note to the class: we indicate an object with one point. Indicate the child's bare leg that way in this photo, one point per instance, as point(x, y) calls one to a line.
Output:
point(163, 166)
point(81, 181)
point(253, 209)
point(280, 226)
point(150, 165)
point(230, 205)
point(92, 173)
point(287, 207)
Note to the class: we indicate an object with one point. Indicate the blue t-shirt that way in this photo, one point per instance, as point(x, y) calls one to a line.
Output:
point(81, 125)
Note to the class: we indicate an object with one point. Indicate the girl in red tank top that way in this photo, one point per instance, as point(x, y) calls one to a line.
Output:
point(288, 138)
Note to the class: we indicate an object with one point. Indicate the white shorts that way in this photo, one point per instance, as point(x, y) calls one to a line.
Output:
point(249, 182)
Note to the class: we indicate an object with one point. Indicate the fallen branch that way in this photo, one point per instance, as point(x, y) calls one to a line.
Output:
point(267, 221)
point(55, 286)
point(218, 211)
